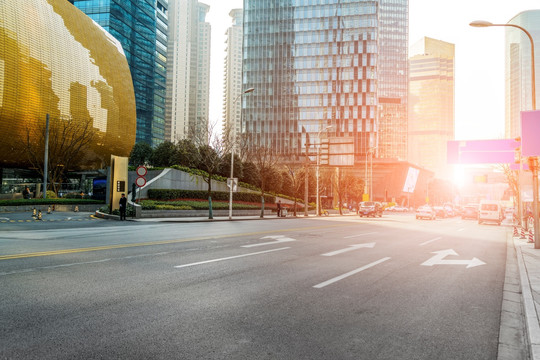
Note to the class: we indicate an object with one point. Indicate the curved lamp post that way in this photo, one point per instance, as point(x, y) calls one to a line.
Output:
point(232, 152)
point(318, 207)
point(483, 23)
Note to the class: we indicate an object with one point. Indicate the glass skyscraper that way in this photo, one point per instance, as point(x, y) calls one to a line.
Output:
point(316, 67)
point(518, 95)
point(141, 27)
point(431, 100)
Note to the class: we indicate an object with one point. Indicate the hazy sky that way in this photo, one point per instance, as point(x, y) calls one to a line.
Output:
point(479, 107)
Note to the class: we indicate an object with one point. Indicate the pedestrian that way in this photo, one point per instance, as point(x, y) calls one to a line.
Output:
point(26, 193)
point(279, 208)
point(123, 205)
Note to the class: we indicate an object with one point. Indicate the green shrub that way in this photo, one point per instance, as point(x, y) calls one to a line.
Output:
point(172, 194)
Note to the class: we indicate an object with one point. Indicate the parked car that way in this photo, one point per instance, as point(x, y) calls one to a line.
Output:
point(370, 208)
point(469, 212)
point(440, 212)
point(425, 212)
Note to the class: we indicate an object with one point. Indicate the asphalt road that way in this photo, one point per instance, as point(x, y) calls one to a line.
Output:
point(330, 288)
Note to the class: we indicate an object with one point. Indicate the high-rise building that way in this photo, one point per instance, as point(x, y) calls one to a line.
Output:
point(431, 105)
point(316, 66)
point(518, 69)
point(135, 24)
point(393, 79)
point(232, 87)
point(188, 81)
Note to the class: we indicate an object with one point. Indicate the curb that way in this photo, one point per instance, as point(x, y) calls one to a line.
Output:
point(531, 316)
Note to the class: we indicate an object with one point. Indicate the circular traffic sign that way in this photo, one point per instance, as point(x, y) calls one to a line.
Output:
point(140, 181)
point(141, 170)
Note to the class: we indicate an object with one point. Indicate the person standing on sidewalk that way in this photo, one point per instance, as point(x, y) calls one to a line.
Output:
point(123, 205)
point(279, 208)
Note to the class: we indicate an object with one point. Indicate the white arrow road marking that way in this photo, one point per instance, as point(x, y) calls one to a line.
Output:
point(341, 277)
point(278, 238)
point(430, 241)
point(3, 218)
point(438, 259)
point(369, 233)
point(230, 257)
point(350, 248)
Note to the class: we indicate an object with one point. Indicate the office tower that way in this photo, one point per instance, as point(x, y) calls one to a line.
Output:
point(393, 79)
point(518, 69)
point(232, 88)
point(188, 80)
point(431, 105)
point(316, 69)
point(134, 23)
point(160, 72)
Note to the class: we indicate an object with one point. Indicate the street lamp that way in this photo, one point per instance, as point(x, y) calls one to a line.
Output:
point(368, 185)
point(318, 208)
point(231, 184)
point(533, 159)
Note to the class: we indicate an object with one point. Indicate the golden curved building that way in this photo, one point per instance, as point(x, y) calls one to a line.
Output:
point(55, 60)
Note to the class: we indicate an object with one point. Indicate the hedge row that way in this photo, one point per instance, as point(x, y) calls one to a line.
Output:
point(41, 201)
point(172, 194)
point(191, 205)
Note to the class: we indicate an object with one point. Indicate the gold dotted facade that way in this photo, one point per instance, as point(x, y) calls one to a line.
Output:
point(55, 60)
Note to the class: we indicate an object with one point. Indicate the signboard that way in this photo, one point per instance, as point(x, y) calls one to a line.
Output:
point(140, 181)
point(340, 151)
point(530, 133)
point(410, 181)
point(482, 151)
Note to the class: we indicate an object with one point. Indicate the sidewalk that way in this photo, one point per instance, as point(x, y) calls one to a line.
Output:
point(528, 259)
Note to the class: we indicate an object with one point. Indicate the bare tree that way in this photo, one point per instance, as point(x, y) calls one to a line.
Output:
point(295, 176)
point(512, 176)
point(211, 154)
point(264, 159)
point(69, 140)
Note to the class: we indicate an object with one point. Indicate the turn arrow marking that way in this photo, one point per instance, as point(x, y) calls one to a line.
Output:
point(278, 238)
point(438, 259)
point(350, 248)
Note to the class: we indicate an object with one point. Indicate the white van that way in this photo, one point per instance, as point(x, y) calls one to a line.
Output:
point(490, 211)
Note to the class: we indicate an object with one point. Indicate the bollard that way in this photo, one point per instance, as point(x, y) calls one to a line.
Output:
point(522, 233)
point(515, 234)
point(34, 212)
point(49, 209)
point(53, 207)
point(531, 237)
point(39, 215)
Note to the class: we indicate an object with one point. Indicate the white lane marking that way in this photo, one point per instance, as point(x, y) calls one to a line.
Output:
point(430, 241)
point(3, 218)
point(341, 277)
point(230, 257)
point(461, 229)
point(438, 259)
point(350, 248)
point(369, 233)
point(278, 238)
point(79, 263)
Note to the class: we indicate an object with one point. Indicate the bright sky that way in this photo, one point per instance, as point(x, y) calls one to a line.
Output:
point(479, 108)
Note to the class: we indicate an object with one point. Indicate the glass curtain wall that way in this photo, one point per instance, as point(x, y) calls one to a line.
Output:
point(133, 23)
point(313, 63)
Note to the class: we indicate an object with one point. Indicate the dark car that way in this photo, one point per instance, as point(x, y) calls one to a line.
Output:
point(470, 212)
point(370, 208)
point(440, 212)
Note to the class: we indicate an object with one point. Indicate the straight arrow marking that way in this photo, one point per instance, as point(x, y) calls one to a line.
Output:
point(438, 259)
point(350, 248)
point(278, 238)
